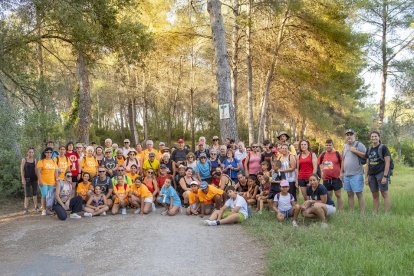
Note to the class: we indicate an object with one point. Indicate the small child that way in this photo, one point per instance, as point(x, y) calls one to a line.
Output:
point(83, 187)
point(121, 190)
point(266, 168)
point(194, 207)
point(169, 198)
point(141, 198)
point(277, 177)
point(97, 203)
point(285, 205)
point(262, 197)
point(250, 195)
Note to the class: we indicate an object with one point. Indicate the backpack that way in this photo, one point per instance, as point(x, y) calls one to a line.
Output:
point(380, 149)
point(291, 197)
point(362, 161)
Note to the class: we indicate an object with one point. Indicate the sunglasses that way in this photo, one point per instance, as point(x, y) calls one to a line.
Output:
point(48, 152)
point(151, 172)
point(254, 147)
point(132, 154)
point(349, 134)
point(213, 153)
point(69, 175)
point(108, 152)
point(126, 142)
point(284, 187)
point(215, 139)
point(203, 157)
point(101, 171)
point(120, 170)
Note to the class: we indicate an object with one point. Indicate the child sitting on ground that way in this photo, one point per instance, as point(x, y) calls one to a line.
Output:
point(252, 191)
point(194, 207)
point(97, 203)
point(169, 198)
point(262, 197)
point(83, 187)
point(121, 190)
point(277, 177)
point(141, 198)
point(285, 205)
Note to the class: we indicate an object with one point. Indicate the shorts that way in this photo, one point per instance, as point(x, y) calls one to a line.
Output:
point(330, 210)
point(46, 189)
point(117, 200)
point(303, 182)
point(288, 213)
point(209, 206)
point(193, 206)
point(30, 188)
point(374, 182)
point(228, 213)
point(354, 183)
point(148, 200)
point(334, 184)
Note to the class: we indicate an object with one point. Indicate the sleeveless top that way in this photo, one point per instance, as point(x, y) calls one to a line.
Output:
point(30, 170)
point(290, 176)
point(254, 164)
point(65, 190)
point(305, 166)
point(243, 189)
point(149, 184)
point(128, 163)
point(98, 202)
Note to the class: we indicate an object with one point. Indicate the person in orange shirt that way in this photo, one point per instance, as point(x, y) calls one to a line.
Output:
point(121, 190)
point(47, 176)
point(63, 162)
point(133, 174)
point(141, 197)
point(89, 163)
point(194, 207)
point(149, 149)
point(120, 158)
point(83, 187)
point(208, 193)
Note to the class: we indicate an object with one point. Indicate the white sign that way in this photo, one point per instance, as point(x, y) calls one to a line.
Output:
point(224, 110)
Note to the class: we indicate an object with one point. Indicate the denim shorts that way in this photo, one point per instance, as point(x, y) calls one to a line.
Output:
point(354, 183)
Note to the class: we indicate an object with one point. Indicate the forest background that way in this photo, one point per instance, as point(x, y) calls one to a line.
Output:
point(86, 70)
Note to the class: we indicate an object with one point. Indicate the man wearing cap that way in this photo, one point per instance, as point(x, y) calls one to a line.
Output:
point(238, 210)
point(126, 148)
point(352, 169)
point(284, 139)
point(149, 149)
point(202, 149)
point(151, 163)
point(209, 193)
point(179, 155)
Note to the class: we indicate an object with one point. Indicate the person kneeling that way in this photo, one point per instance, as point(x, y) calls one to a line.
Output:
point(238, 212)
point(285, 205)
point(141, 198)
point(169, 199)
point(65, 199)
point(97, 203)
point(319, 205)
point(194, 207)
point(121, 190)
point(209, 195)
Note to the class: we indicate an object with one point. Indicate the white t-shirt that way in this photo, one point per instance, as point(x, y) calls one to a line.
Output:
point(238, 202)
point(284, 203)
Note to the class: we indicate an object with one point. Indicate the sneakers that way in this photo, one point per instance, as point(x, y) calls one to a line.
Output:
point(294, 223)
point(44, 213)
point(74, 216)
point(164, 213)
point(123, 211)
point(103, 214)
point(210, 222)
point(25, 212)
point(36, 209)
point(137, 211)
point(153, 207)
point(324, 225)
point(88, 215)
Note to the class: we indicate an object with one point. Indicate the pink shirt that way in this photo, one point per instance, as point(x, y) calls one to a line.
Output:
point(254, 163)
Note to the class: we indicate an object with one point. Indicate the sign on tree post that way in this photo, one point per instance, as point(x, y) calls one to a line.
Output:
point(228, 124)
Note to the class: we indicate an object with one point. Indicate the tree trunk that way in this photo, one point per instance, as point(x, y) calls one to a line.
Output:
point(249, 75)
point(145, 111)
point(121, 114)
point(192, 119)
point(235, 55)
point(228, 126)
point(270, 77)
point(384, 73)
point(303, 128)
point(84, 99)
point(132, 120)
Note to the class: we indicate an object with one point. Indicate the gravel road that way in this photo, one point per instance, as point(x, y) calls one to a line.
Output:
point(126, 245)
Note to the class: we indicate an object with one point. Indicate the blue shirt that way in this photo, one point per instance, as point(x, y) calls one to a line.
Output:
point(204, 169)
point(231, 173)
point(170, 192)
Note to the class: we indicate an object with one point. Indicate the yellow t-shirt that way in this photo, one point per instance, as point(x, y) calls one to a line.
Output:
point(83, 189)
point(90, 165)
point(63, 164)
point(192, 197)
point(142, 191)
point(155, 165)
point(212, 192)
point(47, 173)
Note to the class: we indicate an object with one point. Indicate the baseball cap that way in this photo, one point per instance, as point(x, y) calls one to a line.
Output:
point(284, 183)
point(181, 140)
point(203, 154)
point(215, 137)
point(163, 166)
point(349, 130)
point(127, 141)
point(194, 183)
point(161, 144)
point(203, 185)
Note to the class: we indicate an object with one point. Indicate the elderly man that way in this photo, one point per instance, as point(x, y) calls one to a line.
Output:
point(149, 149)
point(179, 155)
point(126, 148)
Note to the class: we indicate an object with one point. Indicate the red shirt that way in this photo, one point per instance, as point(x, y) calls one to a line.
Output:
point(305, 166)
point(330, 165)
point(73, 157)
point(161, 179)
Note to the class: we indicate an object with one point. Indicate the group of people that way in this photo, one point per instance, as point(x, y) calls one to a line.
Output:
point(223, 182)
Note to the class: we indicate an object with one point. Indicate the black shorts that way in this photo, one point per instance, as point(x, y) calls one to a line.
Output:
point(30, 188)
point(303, 182)
point(333, 184)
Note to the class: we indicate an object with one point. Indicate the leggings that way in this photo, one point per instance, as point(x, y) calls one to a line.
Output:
point(75, 205)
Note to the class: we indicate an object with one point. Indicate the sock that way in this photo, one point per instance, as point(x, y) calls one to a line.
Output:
point(218, 222)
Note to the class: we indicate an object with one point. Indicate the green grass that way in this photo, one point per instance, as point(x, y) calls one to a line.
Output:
point(352, 245)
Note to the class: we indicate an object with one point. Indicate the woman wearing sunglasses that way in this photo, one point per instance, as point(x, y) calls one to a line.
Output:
point(47, 175)
point(150, 180)
point(65, 199)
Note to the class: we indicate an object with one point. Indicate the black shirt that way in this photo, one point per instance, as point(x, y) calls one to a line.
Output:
point(105, 184)
point(376, 164)
point(179, 155)
point(320, 191)
point(267, 156)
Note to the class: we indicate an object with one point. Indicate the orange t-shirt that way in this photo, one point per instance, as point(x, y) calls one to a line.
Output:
point(83, 189)
point(142, 191)
point(120, 161)
point(90, 165)
point(133, 177)
point(207, 198)
point(121, 190)
point(192, 197)
point(47, 173)
point(63, 164)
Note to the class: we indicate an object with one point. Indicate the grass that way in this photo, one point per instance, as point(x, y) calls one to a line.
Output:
point(352, 245)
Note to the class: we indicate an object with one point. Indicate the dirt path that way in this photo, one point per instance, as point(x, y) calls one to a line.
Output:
point(131, 244)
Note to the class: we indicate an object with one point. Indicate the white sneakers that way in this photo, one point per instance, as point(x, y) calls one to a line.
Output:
point(88, 215)
point(103, 214)
point(210, 222)
point(153, 207)
point(294, 223)
point(44, 213)
point(123, 211)
point(137, 211)
point(75, 216)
